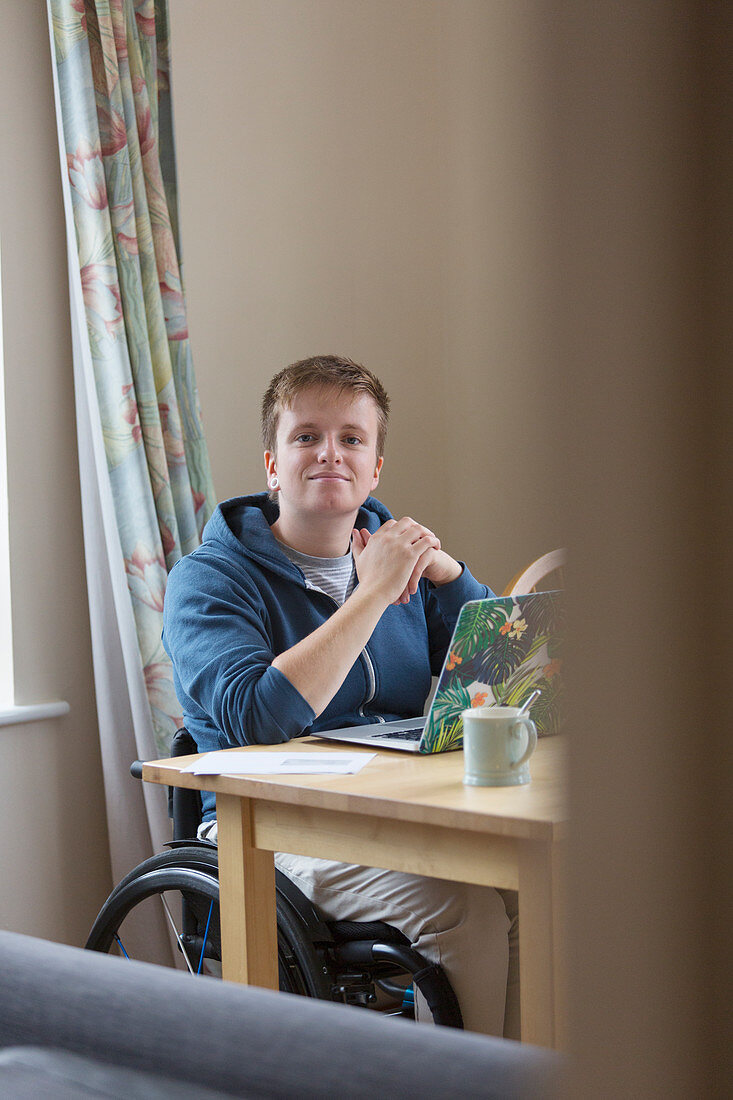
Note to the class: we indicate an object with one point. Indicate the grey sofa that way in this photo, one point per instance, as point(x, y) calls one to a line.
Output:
point(77, 1024)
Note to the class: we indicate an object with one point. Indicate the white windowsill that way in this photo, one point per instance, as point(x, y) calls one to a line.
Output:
point(15, 716)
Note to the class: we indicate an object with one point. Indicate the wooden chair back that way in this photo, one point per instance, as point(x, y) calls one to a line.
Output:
point(545, 574)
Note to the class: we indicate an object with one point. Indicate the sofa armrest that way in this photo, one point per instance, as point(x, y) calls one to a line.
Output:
point(241, 1040)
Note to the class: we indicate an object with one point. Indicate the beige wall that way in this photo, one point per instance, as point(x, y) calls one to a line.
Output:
point(54, 866)
point(366, 178)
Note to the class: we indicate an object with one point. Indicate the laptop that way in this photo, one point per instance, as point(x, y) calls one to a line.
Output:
point(502, 649)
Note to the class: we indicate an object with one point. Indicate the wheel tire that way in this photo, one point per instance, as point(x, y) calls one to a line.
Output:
point(195, 856)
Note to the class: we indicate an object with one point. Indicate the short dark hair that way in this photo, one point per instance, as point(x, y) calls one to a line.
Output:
point(321, 370)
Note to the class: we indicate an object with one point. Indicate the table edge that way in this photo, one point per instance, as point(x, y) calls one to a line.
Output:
point(168, 773)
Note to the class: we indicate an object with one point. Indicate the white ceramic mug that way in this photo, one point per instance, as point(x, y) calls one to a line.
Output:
point(497, 745)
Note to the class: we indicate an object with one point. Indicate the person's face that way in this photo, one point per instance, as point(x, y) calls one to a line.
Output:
point(326, 453)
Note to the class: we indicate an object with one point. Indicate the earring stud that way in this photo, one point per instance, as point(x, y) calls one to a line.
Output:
point(274, 482)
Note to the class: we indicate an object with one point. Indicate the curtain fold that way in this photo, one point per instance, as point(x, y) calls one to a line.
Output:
point(145, 478)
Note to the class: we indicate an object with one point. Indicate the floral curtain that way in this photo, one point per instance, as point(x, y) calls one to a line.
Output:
point(112, 65)
point(146, 487)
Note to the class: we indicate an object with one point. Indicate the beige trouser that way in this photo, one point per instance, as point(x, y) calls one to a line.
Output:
point(471, 931)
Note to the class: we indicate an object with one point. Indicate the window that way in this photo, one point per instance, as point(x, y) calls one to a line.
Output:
point(10, 714)
point(6, 646)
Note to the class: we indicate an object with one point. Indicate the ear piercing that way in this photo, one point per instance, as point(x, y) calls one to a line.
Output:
point(274, 482)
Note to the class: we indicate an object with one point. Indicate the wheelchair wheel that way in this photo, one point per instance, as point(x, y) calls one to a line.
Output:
point(185, 881)
point(189, 896)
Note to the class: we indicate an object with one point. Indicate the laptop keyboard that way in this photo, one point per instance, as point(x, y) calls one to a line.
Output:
point(398, 735)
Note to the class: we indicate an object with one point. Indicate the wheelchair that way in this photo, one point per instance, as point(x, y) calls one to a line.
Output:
point(344, 961)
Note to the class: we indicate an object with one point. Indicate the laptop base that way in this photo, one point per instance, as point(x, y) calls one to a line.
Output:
point(404, 736)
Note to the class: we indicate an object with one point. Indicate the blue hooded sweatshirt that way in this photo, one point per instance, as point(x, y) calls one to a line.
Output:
point(236, 602)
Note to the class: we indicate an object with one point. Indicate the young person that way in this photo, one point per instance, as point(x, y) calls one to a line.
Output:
point(310, 607)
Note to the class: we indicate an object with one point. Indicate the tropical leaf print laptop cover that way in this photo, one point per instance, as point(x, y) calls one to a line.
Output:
point(501, 651)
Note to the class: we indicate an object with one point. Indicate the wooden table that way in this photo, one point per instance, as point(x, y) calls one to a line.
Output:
point(403, 812)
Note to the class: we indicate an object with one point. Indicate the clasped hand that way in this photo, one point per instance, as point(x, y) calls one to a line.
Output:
point(393, 559)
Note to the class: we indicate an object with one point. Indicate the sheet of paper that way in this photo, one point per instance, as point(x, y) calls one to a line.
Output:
point(279, 763)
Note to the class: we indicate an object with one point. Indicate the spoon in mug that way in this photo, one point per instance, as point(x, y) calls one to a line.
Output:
point(528, 702)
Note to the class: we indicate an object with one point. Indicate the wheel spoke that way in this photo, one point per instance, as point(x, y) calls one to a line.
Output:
point(206, 936)
point(176, 933)
point(121, 946)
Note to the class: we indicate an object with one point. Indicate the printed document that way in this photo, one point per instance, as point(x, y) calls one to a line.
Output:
point(228, 762)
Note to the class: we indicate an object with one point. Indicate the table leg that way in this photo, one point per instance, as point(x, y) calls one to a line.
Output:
point(541, 947)
point(247, 898)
